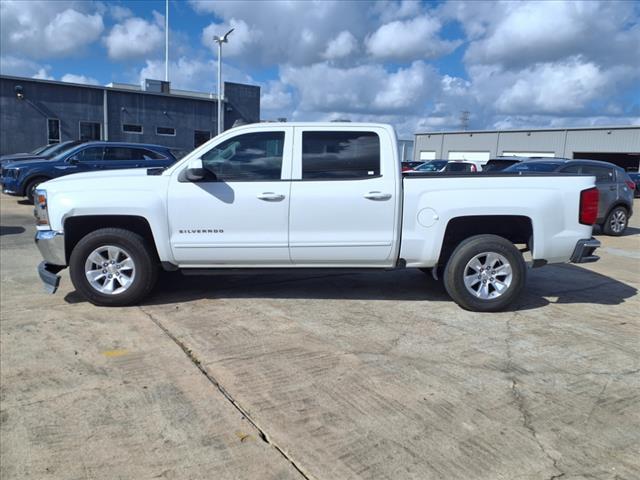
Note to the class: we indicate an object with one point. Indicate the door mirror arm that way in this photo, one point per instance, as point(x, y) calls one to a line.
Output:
point(196, 174)
point(73, 160)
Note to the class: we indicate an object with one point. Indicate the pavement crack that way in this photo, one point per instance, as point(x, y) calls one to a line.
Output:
point(225, 393)
point(520, 402)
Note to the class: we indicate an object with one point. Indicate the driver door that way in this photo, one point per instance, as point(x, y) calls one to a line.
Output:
point(241, 215)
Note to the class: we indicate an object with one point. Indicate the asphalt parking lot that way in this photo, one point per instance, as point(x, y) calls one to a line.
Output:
point(325, 377)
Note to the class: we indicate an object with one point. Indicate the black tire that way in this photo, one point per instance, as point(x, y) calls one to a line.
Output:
point(612, 225)
point(455, 272)
point(143, 258)
point(32, 185)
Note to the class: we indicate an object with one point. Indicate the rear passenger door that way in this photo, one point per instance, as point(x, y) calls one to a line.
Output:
point(343, 197)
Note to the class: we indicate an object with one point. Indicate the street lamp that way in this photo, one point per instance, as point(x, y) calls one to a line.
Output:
point(220, 41)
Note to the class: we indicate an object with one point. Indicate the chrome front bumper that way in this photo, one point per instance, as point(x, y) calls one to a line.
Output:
point(583, 253)
point(51, 246)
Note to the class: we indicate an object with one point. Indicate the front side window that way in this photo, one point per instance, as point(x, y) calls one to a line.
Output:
point(340, 155)
point(248, 157)
point(91, 154)
point(53, 130)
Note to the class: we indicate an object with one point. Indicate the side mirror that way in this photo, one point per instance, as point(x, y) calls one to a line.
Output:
point(73, 160)
point(195, 172)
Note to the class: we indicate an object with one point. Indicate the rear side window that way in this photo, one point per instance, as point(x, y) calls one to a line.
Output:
point(533, 167)
point(340, 155)
point(122, 153)
point(248, 157)
point(603, 174)
point(571, 169)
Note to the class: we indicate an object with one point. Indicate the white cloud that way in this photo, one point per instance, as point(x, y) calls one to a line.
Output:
point(41, 29)
point(119, 12)
point(239, 40)
point(134, 38)
point(83, 79)
point(21, 67)
point(275, 97)
point(192, 74)
point(410, 39)
point(341, 46)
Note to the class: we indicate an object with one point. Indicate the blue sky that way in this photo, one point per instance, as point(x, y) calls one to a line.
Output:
point(414, 64)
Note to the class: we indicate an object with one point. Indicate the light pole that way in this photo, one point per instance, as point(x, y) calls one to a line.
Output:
point(220, 41)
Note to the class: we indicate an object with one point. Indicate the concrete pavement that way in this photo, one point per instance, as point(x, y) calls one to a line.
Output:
point(327, 376)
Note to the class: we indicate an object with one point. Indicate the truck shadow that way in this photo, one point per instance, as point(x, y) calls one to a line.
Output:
point(563, 284)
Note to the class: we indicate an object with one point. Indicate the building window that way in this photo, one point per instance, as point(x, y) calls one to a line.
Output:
point(53, 130)
point(131, 128)
point(340, 155)
point(200, 137)
point(89, 131)
point(168, 131)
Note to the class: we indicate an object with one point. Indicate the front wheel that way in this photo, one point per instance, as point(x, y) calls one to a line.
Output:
point(31, 187)
point(616, 222)
point(113, 267)
point(485, 273)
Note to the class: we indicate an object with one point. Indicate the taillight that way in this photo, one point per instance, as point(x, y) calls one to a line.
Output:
point(473, 168)
point(630, 184)
point(589, 206)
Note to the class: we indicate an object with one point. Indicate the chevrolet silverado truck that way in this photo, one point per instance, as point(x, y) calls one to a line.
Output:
point(267, 197)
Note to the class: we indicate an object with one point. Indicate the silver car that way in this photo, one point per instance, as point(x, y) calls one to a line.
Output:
point(614, 184)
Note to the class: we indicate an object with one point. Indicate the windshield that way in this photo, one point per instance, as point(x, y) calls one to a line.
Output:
point(59, 148)
point(41, 149)
point(533, 167)
point(433, 166)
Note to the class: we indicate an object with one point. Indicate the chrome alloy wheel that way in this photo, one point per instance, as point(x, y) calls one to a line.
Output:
point(618, 221)
point(110, 269)
point(488, 275)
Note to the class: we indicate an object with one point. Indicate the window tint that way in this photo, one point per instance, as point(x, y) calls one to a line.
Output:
point(532, 167)
point(252, 156)
point(151, 155)
point(123, 153)
point(91, 154)
point(340, 155)
point(571, 169)
point(603, 174)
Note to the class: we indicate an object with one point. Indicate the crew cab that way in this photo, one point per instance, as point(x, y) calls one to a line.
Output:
point(272, 196)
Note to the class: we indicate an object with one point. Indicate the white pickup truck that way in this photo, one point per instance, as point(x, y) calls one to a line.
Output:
point(309, 196)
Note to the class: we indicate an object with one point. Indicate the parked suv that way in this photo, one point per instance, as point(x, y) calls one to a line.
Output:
point(616, 187)
point(21, 178)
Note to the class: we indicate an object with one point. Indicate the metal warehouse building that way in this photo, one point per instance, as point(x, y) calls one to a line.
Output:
point(619, 145)
point(37, 112)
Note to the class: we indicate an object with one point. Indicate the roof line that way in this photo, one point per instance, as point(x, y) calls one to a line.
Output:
point(543, 129)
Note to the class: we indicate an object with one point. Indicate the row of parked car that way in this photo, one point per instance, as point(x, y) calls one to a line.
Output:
point(21, 173)
point(617, 187)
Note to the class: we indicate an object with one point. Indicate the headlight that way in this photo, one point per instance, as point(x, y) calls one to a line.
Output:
point(10, 172)
point(40, 202)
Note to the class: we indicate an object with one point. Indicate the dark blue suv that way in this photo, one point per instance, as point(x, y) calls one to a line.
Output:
point(21, 178)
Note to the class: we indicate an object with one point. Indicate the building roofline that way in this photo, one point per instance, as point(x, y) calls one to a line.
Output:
point(177, 93)
point(549, 129)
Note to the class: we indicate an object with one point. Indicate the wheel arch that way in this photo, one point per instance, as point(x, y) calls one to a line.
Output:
point(77, 227)
point(518, 229)
point(33, 176)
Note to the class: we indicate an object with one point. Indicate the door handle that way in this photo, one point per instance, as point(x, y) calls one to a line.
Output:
point(271, 197)
point(377, 196)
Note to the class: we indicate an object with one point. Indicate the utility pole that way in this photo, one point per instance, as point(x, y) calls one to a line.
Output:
point(166, 41)
point(464, 119)
point(220, 41)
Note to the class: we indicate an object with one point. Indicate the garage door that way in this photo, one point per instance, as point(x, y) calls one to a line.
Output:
point(427, 155)
point(528, 154)
point(476, 156)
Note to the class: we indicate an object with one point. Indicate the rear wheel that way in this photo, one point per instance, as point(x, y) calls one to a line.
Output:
point(616, 222)
point(485, 273)
point(30, 189)
point(113, 267)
